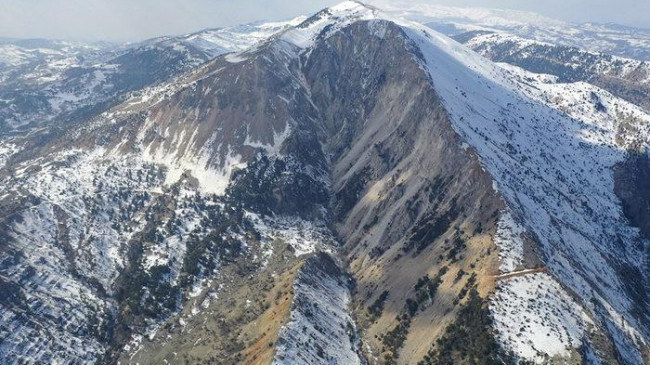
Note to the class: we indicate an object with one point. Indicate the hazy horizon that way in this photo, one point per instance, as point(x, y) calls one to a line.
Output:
point(131, 21)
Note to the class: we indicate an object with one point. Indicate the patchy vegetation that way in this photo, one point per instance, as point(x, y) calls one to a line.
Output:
point(469, 340)
point(377, 306)
point(425, 292)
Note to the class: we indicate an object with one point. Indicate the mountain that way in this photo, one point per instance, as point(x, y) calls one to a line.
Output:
point(604, 38)
point(626, 78)
point(354, 188)
point(51, 83)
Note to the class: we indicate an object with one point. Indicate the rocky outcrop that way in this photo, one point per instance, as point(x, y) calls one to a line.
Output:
point(631, 186)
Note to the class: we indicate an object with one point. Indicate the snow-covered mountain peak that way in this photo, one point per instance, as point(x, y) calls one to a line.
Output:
point(304, 35)
point(236, 38)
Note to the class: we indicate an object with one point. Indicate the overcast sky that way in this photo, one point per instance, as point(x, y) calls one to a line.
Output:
point(131, 20)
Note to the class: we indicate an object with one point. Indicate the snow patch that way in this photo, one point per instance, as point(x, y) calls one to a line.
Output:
point(305, 237)
point(211, 179)
point(510, 242)
point(534, 317)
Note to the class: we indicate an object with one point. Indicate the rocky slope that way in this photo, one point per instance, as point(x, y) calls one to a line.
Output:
point(356, 189)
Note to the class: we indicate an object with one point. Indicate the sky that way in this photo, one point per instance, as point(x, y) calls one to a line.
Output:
point(133, 20)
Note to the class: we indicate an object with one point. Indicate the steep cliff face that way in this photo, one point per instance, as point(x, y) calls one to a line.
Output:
point(412, 205)
point(278, 130)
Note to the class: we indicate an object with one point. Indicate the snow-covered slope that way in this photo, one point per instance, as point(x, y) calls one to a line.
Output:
point(581, 61)
point(237, 38)
point(320, 328)
point(553, 159)
point(131, 225)
point(31, 60)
